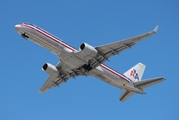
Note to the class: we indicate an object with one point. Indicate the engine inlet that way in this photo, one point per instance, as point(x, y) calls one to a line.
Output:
point(45, 66)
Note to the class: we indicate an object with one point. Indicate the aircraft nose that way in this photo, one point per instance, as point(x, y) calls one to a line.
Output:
point(17, 27)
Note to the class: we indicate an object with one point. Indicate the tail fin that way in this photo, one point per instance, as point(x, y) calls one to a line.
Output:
point(136, 72)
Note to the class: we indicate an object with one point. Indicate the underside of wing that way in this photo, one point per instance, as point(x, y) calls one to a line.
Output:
point(108, 50)
point(51, 82)
point(65, 72)
point(54, 81)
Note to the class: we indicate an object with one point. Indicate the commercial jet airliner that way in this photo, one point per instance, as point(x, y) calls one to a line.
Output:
point(88, 61)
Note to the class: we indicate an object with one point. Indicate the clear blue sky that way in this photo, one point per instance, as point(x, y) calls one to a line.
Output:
point(95, 22)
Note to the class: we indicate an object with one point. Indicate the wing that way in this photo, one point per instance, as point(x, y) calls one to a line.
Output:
point(65, 73)
point(108, 50)
point(51, 82)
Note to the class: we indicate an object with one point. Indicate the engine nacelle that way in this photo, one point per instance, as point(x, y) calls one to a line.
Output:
point(50, 69)
point(88, 50)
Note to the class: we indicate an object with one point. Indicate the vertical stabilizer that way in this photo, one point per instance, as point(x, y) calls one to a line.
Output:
point(136, 72)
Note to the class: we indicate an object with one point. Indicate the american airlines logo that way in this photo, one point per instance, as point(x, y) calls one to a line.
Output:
point(134, 74)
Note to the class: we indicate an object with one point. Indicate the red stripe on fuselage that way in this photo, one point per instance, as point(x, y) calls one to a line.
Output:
point(51, 37)
point(114, 72)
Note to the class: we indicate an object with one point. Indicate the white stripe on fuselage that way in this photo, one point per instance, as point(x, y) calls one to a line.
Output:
point(57, 40)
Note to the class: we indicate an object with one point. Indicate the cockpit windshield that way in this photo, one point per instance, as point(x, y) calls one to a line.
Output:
point(25, 23)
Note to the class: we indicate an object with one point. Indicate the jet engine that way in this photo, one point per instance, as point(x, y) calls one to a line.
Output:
point(88, 50)
point(50, 69)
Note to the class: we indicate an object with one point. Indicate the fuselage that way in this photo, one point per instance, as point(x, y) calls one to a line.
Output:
point(66, 53)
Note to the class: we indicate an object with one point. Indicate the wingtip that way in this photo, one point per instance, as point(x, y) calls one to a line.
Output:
point(163, 78)
point(41, 91)
point(156, 29)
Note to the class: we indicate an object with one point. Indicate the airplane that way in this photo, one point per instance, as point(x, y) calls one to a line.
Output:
point(88, 61)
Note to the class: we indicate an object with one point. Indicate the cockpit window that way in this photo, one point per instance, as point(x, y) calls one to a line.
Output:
point(25, 23)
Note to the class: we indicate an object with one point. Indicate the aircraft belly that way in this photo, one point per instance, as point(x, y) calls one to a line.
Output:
point(69, 58)
point(113, 79)
point(104, 75)
point(44, 42)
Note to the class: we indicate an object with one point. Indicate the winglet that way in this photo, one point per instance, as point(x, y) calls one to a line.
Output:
point(155, 29)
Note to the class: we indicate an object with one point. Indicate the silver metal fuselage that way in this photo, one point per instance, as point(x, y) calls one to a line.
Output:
point(67, 54)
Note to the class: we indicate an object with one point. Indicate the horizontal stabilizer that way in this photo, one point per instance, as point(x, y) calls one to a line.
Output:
point(147, 83)
point(125, 95)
